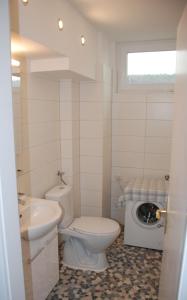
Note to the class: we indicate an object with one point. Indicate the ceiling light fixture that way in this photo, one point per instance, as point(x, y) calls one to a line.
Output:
point(83, 40)
point(60, 24)
point(25, 2)
point(15, 63)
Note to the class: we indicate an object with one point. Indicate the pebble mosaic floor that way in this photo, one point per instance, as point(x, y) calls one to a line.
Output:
point(133, 273)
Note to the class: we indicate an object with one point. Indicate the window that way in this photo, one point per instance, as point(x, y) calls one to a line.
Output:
point(151, 67)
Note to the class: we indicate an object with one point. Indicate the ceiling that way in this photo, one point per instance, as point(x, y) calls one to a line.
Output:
point(133, 20)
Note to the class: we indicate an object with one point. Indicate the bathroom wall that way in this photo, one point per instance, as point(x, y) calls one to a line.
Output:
point(95, 144)
point(141, 137)
point(70, 133)
point(39, 159)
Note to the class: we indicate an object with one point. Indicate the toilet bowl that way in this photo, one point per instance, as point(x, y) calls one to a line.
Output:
point(86, 238)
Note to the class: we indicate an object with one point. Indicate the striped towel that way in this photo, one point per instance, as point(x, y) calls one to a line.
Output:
point(144, 189)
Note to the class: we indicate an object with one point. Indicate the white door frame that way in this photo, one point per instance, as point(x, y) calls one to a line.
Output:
point(11, 269)
point(182, 291)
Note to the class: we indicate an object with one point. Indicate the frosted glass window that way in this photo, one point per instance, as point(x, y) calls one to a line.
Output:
point(151, 67)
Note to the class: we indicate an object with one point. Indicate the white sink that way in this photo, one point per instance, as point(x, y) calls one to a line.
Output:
point(38, 217)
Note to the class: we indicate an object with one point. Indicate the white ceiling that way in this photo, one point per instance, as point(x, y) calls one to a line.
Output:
point(133, 20)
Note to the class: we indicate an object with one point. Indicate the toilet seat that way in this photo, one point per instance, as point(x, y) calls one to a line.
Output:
point(94, 226)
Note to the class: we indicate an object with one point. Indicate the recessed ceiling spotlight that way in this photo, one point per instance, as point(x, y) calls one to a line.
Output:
point(83, 40)
point(25, 2)
point(60, 24)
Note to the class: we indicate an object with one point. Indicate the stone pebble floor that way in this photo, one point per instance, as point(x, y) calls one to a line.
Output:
point(133, 273)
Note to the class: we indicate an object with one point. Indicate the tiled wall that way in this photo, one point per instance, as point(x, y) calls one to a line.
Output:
point(39, 159)
point(70, 137)
point(95, 145)
point(141, 137)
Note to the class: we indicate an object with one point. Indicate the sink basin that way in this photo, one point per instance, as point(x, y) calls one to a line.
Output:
point(38, 217)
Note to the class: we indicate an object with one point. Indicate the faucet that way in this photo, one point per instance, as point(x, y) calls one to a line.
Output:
point(60, 175)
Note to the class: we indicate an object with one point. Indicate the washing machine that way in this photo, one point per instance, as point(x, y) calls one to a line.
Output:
point(142, 228)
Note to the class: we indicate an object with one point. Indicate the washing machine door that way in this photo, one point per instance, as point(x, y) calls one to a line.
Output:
point(144, 214)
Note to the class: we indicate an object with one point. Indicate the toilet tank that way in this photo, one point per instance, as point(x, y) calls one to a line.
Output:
point(63, 194)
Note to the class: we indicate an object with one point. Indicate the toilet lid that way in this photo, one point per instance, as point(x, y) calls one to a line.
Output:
point(94, 225)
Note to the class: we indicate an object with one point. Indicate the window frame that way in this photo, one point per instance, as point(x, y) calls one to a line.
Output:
point(131, 47)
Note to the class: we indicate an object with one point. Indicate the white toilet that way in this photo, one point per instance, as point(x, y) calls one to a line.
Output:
point(86, 238)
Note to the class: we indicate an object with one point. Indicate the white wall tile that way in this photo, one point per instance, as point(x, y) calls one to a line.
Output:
point(34, 111)
point(66, 111)
point(128, 111)
point(67, 166)
point(128, 143)
point(160, 111)
point(158, 145)
point(91, 181)
point(66, 130)
point(91, 164)
point(40, 88)
point(66, 148)
point(91, 111)
point(128, 127)
point(141, 137)
point(44, 178)
point(130, 96)
point(93, 147)
point(126, 173)
point(118, 215)
point(65, 90)
point(157, 96)
point(157, 161)
point(40, 133)
point(91, 91)
point(92, 211)
point(33, 158)
point(155, 173)
point(91, 198)
point(128, 159)
point(159, 128)
point(91, 129)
